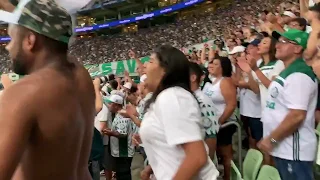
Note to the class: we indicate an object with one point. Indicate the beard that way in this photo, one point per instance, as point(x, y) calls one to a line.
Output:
point(19, 64)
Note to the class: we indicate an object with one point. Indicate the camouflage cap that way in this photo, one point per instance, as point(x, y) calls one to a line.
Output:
point(45, 17)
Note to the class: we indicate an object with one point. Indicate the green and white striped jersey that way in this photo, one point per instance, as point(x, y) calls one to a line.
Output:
point(122, 147)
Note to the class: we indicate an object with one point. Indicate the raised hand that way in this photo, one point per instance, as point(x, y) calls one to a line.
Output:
point(252, 62)
point(243, 64)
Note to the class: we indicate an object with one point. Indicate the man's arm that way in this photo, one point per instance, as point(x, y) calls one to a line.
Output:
point(7, 5)
point(298, 104)
point(17, 118)
point(98, 101)
point(289, 125)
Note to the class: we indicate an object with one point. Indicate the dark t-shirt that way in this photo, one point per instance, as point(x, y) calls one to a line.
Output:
point(97, 148)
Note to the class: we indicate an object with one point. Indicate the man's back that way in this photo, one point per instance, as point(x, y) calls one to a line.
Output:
point(56, 106)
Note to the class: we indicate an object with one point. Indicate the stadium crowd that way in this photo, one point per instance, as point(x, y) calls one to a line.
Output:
point(260, 66)
point(261, 58)
point(181, 34)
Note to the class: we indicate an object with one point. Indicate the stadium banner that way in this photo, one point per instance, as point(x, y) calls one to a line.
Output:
point(96, 70)
point(117, 67)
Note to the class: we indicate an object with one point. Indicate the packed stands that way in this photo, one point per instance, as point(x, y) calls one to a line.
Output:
point(184, 33)
point(237, 25)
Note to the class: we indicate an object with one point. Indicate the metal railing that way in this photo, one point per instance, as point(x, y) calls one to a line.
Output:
point(239, 140)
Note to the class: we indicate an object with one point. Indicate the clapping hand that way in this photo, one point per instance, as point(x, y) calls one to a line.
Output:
point(243, 64)
point(252, 62)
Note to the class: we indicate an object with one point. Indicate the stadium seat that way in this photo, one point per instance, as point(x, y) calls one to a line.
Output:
point(268, 173)
point(235, 173)
point(318, 130)
point(252, 164)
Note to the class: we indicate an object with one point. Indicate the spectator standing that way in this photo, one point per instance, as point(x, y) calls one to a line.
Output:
point(120, 134)
point(208, 111)
point(223, 93)
point(104, 121)
point(171, 149)
point(288, 118)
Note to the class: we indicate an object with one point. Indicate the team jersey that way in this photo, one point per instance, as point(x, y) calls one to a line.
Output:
point(270, 70)
point(208, 114)
point(295, 88)
point(122, 147)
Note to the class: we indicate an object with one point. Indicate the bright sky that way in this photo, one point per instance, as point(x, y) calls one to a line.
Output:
point(73, 5)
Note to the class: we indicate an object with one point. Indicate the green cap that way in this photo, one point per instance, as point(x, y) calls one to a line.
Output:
point(45, 17)
point(299, 37)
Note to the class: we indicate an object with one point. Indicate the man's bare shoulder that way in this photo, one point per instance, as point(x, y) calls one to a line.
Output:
point(19, 97)
point(23, 88)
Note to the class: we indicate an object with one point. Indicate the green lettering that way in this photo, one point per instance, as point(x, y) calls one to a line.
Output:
point(271, 105)
point(106, 68)
point(131, 66)
point(120, 68)
point(145, 59)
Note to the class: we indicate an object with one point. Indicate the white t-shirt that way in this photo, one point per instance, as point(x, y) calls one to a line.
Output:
point(173, 119)
point(269, 70)
point(103, 116)
point(295, 88)
point(250, 104)
point(311, 3)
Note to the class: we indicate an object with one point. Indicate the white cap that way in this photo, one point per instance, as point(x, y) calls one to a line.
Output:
point(289, 13)
point(115, 98)
point(117, 93)
point(127, 85)
point(237, 49)
point(143, 78)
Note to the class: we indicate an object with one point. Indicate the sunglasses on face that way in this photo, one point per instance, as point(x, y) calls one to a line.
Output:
point(283, 41)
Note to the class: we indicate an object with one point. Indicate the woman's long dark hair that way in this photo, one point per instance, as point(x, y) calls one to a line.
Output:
point(272, 48)
point(226, 65)
point(176, 67)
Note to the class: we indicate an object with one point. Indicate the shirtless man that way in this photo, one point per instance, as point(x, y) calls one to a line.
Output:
point(46, 118)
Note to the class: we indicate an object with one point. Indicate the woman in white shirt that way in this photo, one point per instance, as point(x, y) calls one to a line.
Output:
point(224, 96)
point(266, 71)
point(171, 130)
